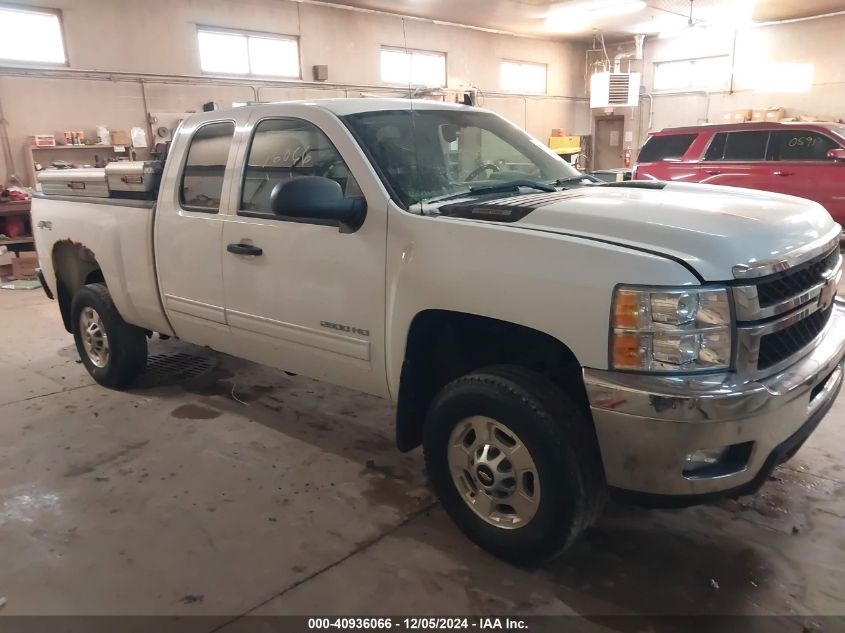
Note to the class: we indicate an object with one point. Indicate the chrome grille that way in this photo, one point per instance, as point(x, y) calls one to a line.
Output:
point(779, 346)
point(797, 281)
point(781, 315)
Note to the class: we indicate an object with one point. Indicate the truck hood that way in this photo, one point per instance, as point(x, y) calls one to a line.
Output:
point(710, 228)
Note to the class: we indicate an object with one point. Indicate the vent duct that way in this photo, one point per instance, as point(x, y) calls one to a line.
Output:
point(614, 89)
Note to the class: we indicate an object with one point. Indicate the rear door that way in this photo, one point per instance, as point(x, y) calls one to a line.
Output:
point(800, 167)
point(737, 159)
point(661, 158)
point(188, 228)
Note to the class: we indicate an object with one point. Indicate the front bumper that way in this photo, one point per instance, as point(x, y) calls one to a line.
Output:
point(647, 425)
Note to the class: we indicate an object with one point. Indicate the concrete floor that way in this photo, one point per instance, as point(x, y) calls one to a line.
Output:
point(243, 490)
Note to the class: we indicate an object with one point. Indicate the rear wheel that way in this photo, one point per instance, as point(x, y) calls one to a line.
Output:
point(113, 351)
point(514, 461)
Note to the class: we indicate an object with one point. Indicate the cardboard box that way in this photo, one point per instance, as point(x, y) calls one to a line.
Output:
point(42, 140)
point(775, 114)
point(24, 265)
point(737, 116)
point(758, 114)
point(120, 137)
point(6, 259)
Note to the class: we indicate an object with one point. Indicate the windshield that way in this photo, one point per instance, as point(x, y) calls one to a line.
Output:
point(427, 155)
point(838, 129)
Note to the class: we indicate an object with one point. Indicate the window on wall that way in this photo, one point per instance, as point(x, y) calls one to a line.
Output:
point(31, 35)
point(706, 73)
point(236, 53)
point(404, 67)
point(522, 77)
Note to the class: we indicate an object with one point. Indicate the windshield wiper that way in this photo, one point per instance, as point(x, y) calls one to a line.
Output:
point(510, 185)
point(574, 179)
point(513, 185)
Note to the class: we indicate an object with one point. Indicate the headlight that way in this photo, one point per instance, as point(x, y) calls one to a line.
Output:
point(670, 330)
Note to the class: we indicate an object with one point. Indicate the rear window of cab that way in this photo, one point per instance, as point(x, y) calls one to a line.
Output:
point(665, 147)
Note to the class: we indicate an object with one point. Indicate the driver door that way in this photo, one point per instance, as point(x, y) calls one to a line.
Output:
point(302, 295)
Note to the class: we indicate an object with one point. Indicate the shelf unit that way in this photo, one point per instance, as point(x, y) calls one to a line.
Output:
point(14, 208)
point(25, 242)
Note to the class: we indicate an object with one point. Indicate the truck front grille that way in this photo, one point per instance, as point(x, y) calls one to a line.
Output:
point(778, 346)
point(780, 316)
point(796, 281)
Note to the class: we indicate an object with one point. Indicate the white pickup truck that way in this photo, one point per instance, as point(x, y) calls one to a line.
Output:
point(547, 339)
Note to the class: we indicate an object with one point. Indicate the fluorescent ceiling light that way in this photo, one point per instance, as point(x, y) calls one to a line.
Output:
point(733, 14)
point(658, 24)
point(577, 16)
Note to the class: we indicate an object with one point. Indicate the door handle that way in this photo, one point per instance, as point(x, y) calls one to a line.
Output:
point(244, 249)
point(712, 172)
point(782, 173)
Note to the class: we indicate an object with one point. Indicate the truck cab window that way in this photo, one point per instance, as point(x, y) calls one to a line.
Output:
point(284, 149)
point(205, 166)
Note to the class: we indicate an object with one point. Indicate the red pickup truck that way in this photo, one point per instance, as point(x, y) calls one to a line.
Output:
point(800, 159)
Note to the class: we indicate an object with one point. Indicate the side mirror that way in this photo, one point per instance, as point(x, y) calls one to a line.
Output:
point(319, 200)
point(837, 153)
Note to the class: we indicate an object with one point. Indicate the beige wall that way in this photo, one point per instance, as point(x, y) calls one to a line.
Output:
point(814, 42)
point(155, 42)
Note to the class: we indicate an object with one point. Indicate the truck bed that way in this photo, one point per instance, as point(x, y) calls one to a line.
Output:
point(119, 234)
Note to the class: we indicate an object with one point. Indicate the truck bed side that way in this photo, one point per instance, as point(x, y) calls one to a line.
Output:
point(83, 240)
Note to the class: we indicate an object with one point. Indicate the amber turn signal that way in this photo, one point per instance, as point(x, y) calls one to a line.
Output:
point(626, 350)
point(626, 309)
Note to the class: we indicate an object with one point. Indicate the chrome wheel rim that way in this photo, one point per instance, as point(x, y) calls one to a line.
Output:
point(494, 472)
point(95, 341)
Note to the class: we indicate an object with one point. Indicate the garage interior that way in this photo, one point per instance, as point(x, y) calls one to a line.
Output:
point(219, 487)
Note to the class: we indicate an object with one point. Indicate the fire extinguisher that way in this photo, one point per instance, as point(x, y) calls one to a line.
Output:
point(627, 157)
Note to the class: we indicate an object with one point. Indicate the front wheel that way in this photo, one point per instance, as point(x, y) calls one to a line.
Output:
point(113, 351)
point(514, 461)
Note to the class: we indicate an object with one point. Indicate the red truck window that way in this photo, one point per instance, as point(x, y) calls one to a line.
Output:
point(800, 145)
point(738, 146)
point(665, 147)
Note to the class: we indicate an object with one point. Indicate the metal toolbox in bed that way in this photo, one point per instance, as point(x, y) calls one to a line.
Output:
point(133, 179)
point(74, 182)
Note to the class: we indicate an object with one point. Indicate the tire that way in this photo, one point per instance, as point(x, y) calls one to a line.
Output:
point(125, 355)
point(569, 492)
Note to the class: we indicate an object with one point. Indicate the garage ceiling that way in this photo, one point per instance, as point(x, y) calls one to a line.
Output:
point(576, 19)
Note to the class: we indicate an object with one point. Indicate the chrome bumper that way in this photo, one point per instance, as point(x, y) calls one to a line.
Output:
point(647, 425)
